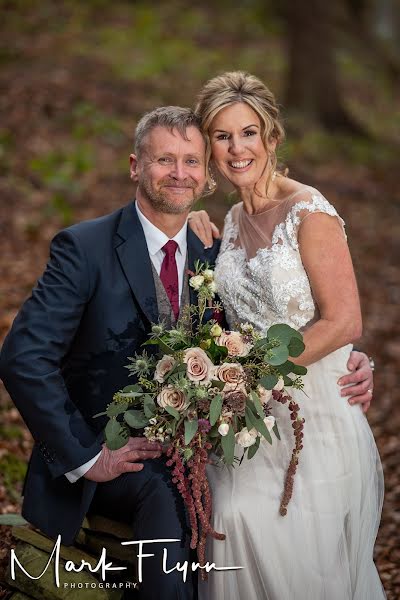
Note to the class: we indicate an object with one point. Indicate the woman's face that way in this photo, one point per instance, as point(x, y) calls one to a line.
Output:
point(237, 147)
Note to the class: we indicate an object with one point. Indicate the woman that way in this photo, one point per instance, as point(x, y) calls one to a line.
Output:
point(284, 258)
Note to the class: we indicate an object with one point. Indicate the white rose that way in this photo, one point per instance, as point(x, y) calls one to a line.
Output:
point(269, 422)
point(212, 286)
point(200, 369)
point(265, 395)
point(246, 438)
point(164, 365)
point(279, 386)
point(196, 282)
point(223, 429)
point(208, 274)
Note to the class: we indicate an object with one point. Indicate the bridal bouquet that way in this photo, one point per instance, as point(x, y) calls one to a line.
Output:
point(209, 391)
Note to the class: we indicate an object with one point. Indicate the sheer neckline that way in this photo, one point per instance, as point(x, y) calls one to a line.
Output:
point(272, 207)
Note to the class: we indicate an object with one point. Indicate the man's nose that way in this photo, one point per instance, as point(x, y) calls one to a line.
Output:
point(178, 170)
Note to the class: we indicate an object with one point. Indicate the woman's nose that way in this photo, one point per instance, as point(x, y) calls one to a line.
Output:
point(236, 145)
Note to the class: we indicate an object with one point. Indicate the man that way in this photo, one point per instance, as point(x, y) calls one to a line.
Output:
point(106, 282)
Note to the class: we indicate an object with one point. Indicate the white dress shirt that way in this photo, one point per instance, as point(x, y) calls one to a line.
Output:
point(155, 240)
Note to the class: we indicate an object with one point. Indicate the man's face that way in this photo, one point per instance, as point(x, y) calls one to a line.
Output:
point(170, 170)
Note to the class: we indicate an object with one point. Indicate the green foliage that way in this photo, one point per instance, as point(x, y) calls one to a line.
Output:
point(13, 470)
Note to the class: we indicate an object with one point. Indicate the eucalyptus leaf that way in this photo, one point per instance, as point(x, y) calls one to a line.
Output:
point(134, 389)
point(253, 449)
point(228, 446)
point(218, 384)
point(296, 347)
point(149, 407)
point(116, 408)
point(286, 368)
point(299, 370)
point(269, 381)
point(258, 424)
point(116, 435)
point(215, 409)
point(257, 403)
point(287, 381)
point(277, 356)
point(136, 419)
point(283, 333)
point(276, 430)
point(172, 411)
point(190, 430)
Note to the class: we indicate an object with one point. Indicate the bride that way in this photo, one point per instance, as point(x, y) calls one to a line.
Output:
point(284, 259)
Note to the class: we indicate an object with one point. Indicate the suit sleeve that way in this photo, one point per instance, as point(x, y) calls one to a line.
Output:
point(33, 352)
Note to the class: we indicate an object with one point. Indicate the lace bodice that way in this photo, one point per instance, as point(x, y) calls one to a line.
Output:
point(259, 272)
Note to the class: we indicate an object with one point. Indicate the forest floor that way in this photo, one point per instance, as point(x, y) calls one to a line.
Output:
point(67, 123)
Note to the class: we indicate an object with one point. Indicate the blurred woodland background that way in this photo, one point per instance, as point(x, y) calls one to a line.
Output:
point(74, 78)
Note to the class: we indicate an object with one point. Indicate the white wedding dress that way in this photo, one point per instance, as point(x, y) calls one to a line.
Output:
point(322, 549)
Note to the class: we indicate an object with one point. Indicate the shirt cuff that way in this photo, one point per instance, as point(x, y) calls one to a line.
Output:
point(77, 473)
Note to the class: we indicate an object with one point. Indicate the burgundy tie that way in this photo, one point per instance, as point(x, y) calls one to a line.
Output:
point(169, 275)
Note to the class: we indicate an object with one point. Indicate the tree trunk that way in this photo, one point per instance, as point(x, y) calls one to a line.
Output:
point(313, 86)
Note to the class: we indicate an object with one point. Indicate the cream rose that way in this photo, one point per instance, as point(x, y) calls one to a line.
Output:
point(170, 396)
point(164, 365)
point(279, 386)
point(246, 438)
point(230, 373)
point(200, 369)
point(196, 282)
point(265, 395)
point(233, 341)
point(223, 429)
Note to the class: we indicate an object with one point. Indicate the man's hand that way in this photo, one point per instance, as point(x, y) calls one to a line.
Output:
point(200, 223)
point(360, 383)
point(111, 463)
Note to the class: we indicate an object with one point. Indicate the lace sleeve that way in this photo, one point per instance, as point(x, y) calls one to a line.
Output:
point(231, 230)
point(314, 203)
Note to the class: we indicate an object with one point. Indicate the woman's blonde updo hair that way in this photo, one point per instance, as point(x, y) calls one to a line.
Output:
point(239, 86)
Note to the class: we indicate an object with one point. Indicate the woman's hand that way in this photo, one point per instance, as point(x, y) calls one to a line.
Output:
point(203, 227)
point(360, 382)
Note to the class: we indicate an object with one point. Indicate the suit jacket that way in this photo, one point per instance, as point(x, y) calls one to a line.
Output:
point(64, 356)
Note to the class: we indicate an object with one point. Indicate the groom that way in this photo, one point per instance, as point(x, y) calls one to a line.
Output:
point(106, 281)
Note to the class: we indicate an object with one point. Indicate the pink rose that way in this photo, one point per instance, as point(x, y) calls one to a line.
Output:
point(200, 369)
point(230, 373)
point(163, 367)
point(170, 396)
point(233, 341)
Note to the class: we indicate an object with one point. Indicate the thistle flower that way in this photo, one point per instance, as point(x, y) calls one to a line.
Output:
point(141, 364)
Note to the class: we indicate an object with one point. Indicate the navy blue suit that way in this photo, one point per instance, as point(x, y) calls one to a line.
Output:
point(64, 356)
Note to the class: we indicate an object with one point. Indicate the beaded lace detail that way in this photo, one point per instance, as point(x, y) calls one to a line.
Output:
point(272, 286)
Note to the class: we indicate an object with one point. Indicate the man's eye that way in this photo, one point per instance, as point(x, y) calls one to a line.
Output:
point(193, 161)
point(165, 159)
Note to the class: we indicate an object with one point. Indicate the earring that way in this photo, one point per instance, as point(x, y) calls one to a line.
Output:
point(213, 183)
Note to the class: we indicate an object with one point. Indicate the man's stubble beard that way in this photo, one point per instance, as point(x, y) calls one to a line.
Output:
point(162, 203)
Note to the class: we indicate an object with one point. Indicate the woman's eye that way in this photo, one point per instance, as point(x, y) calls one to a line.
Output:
point(250, 132)
point(193, 161)
point(222, 136)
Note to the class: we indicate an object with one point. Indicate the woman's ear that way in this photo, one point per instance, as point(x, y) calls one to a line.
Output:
point(133, 167)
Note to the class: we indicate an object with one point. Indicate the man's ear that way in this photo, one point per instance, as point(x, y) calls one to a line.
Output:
point(133, 160)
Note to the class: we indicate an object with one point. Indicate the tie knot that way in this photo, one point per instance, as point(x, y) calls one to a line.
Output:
point(170, 248)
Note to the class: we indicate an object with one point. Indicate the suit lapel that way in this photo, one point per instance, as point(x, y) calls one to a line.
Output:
point(131, 247)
